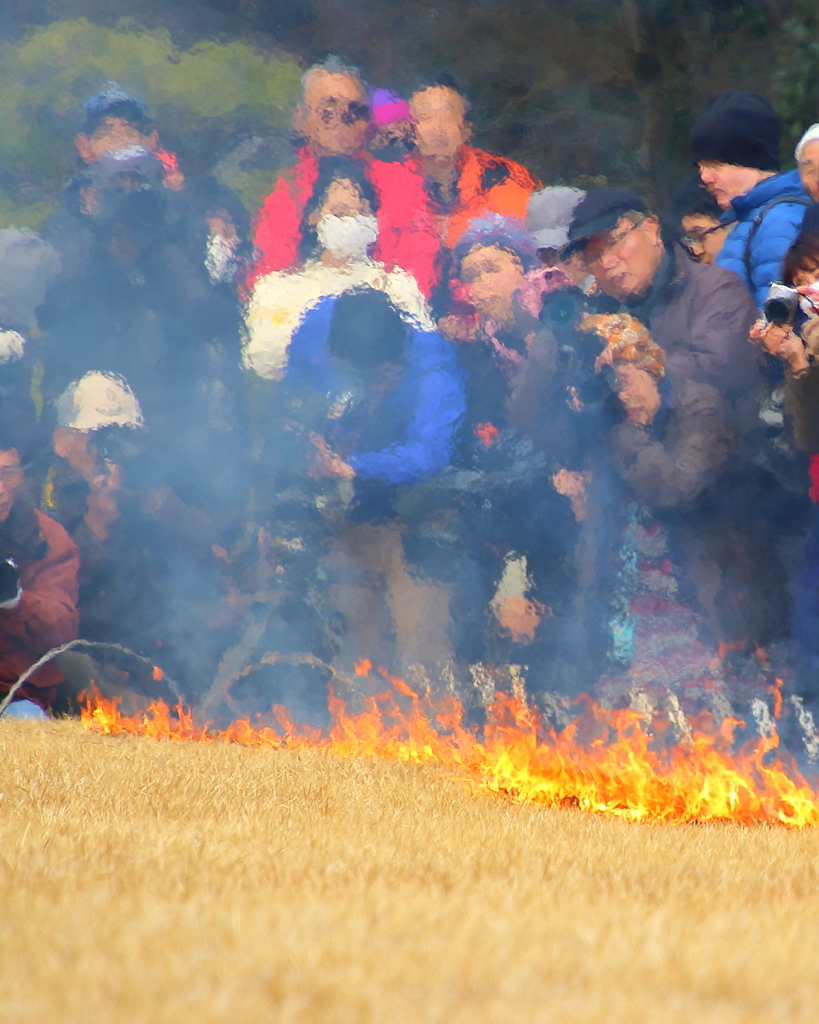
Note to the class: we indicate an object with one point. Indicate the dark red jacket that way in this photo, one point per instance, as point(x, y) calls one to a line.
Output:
point(46, 616)
point(407, 237)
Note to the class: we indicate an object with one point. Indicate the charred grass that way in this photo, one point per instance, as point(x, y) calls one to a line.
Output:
point(157, 882)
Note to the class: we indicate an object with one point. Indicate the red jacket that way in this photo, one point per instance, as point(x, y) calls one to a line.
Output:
point(46, 616)
point(407, 237)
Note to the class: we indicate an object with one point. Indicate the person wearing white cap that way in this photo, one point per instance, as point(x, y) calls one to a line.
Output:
point(807, 161)
point(146, 556)
point(98, 400)
point(95, 401)
point(548, 217)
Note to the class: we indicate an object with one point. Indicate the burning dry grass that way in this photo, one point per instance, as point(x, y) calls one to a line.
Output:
point(148, 881)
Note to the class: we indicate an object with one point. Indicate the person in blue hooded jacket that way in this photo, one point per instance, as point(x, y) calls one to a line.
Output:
point(735, 144)
point(389, 394)
point(358, 400)
point(372, 401)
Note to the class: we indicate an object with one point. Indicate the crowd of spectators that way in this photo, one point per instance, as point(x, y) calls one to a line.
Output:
point(420, 410)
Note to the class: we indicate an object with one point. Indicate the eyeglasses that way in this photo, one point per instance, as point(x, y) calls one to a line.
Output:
point(610, 246)
point(695, 237)
point(331, 112)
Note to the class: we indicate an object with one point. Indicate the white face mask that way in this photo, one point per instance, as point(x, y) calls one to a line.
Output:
point(347, 237)
point(130, 153)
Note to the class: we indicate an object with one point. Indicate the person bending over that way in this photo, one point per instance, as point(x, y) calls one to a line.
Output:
point(359, 398)
point(666, 456)
point(700, 317)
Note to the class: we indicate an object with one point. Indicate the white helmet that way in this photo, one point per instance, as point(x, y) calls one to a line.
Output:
point(98, 400)
point(11, 346)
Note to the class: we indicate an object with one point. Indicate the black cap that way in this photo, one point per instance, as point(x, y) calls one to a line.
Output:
point(740, 128)
point(114, 102)
point(599, 211)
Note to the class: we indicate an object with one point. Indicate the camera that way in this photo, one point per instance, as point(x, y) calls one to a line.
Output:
point(781, 304)
point(9, 581)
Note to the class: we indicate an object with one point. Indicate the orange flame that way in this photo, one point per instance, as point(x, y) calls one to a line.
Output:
point(604, 762)
point(487, 434)
point(777, 696)
point(727, 648)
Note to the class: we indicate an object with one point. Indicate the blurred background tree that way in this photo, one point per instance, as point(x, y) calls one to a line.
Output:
point(585, 93)
point(796, 82)
point(206, 99)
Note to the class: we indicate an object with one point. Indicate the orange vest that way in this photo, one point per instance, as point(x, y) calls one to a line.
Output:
point(509, 197)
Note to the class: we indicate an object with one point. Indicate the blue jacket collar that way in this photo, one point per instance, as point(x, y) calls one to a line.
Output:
point(786, 183)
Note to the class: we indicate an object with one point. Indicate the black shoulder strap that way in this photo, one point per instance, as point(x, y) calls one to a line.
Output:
point(746, 256)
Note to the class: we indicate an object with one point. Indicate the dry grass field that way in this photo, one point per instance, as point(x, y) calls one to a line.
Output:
point(147, 881)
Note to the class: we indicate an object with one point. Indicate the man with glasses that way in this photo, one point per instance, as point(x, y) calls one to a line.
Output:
point(38, 590)
point(697, 214)
point(333, 120)
point(699, 315)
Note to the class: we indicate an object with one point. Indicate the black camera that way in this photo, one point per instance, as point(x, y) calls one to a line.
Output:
point(781, 304)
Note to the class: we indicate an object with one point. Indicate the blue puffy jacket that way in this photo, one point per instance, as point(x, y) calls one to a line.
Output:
point(415, 421)
point(771, 240)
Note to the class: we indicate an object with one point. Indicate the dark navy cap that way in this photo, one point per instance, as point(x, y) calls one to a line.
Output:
point(599, 211)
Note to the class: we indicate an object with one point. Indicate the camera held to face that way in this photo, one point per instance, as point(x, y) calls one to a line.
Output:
point(781, 304)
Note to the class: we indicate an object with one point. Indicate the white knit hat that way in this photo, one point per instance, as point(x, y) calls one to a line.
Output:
point(811, 135)
point(98, 400)
point(549, 215)
point(11, 346)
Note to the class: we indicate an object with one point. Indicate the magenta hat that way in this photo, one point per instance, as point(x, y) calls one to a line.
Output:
point(388, 107)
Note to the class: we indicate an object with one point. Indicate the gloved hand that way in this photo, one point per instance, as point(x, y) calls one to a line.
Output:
point(10, 589)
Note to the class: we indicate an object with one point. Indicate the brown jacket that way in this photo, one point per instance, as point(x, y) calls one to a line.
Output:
point(701, 318)
point(669, 468)
point(802, 409)
point(46, 616)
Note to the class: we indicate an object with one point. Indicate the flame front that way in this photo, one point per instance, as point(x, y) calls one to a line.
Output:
point(604, 762)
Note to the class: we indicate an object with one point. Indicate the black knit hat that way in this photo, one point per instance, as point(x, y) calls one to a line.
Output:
point(738, 127)
point(599, 211)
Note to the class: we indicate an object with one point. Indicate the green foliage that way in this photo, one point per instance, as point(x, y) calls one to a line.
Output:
point(797, 84)
point(252, 186)
point(204, 99)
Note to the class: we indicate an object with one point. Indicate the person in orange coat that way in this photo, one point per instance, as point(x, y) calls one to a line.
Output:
point(38, 591)
point(333, 119)
point(462, 183)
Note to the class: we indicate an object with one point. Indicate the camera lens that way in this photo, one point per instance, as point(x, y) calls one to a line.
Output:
point(560, 310)
point(777, 312)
